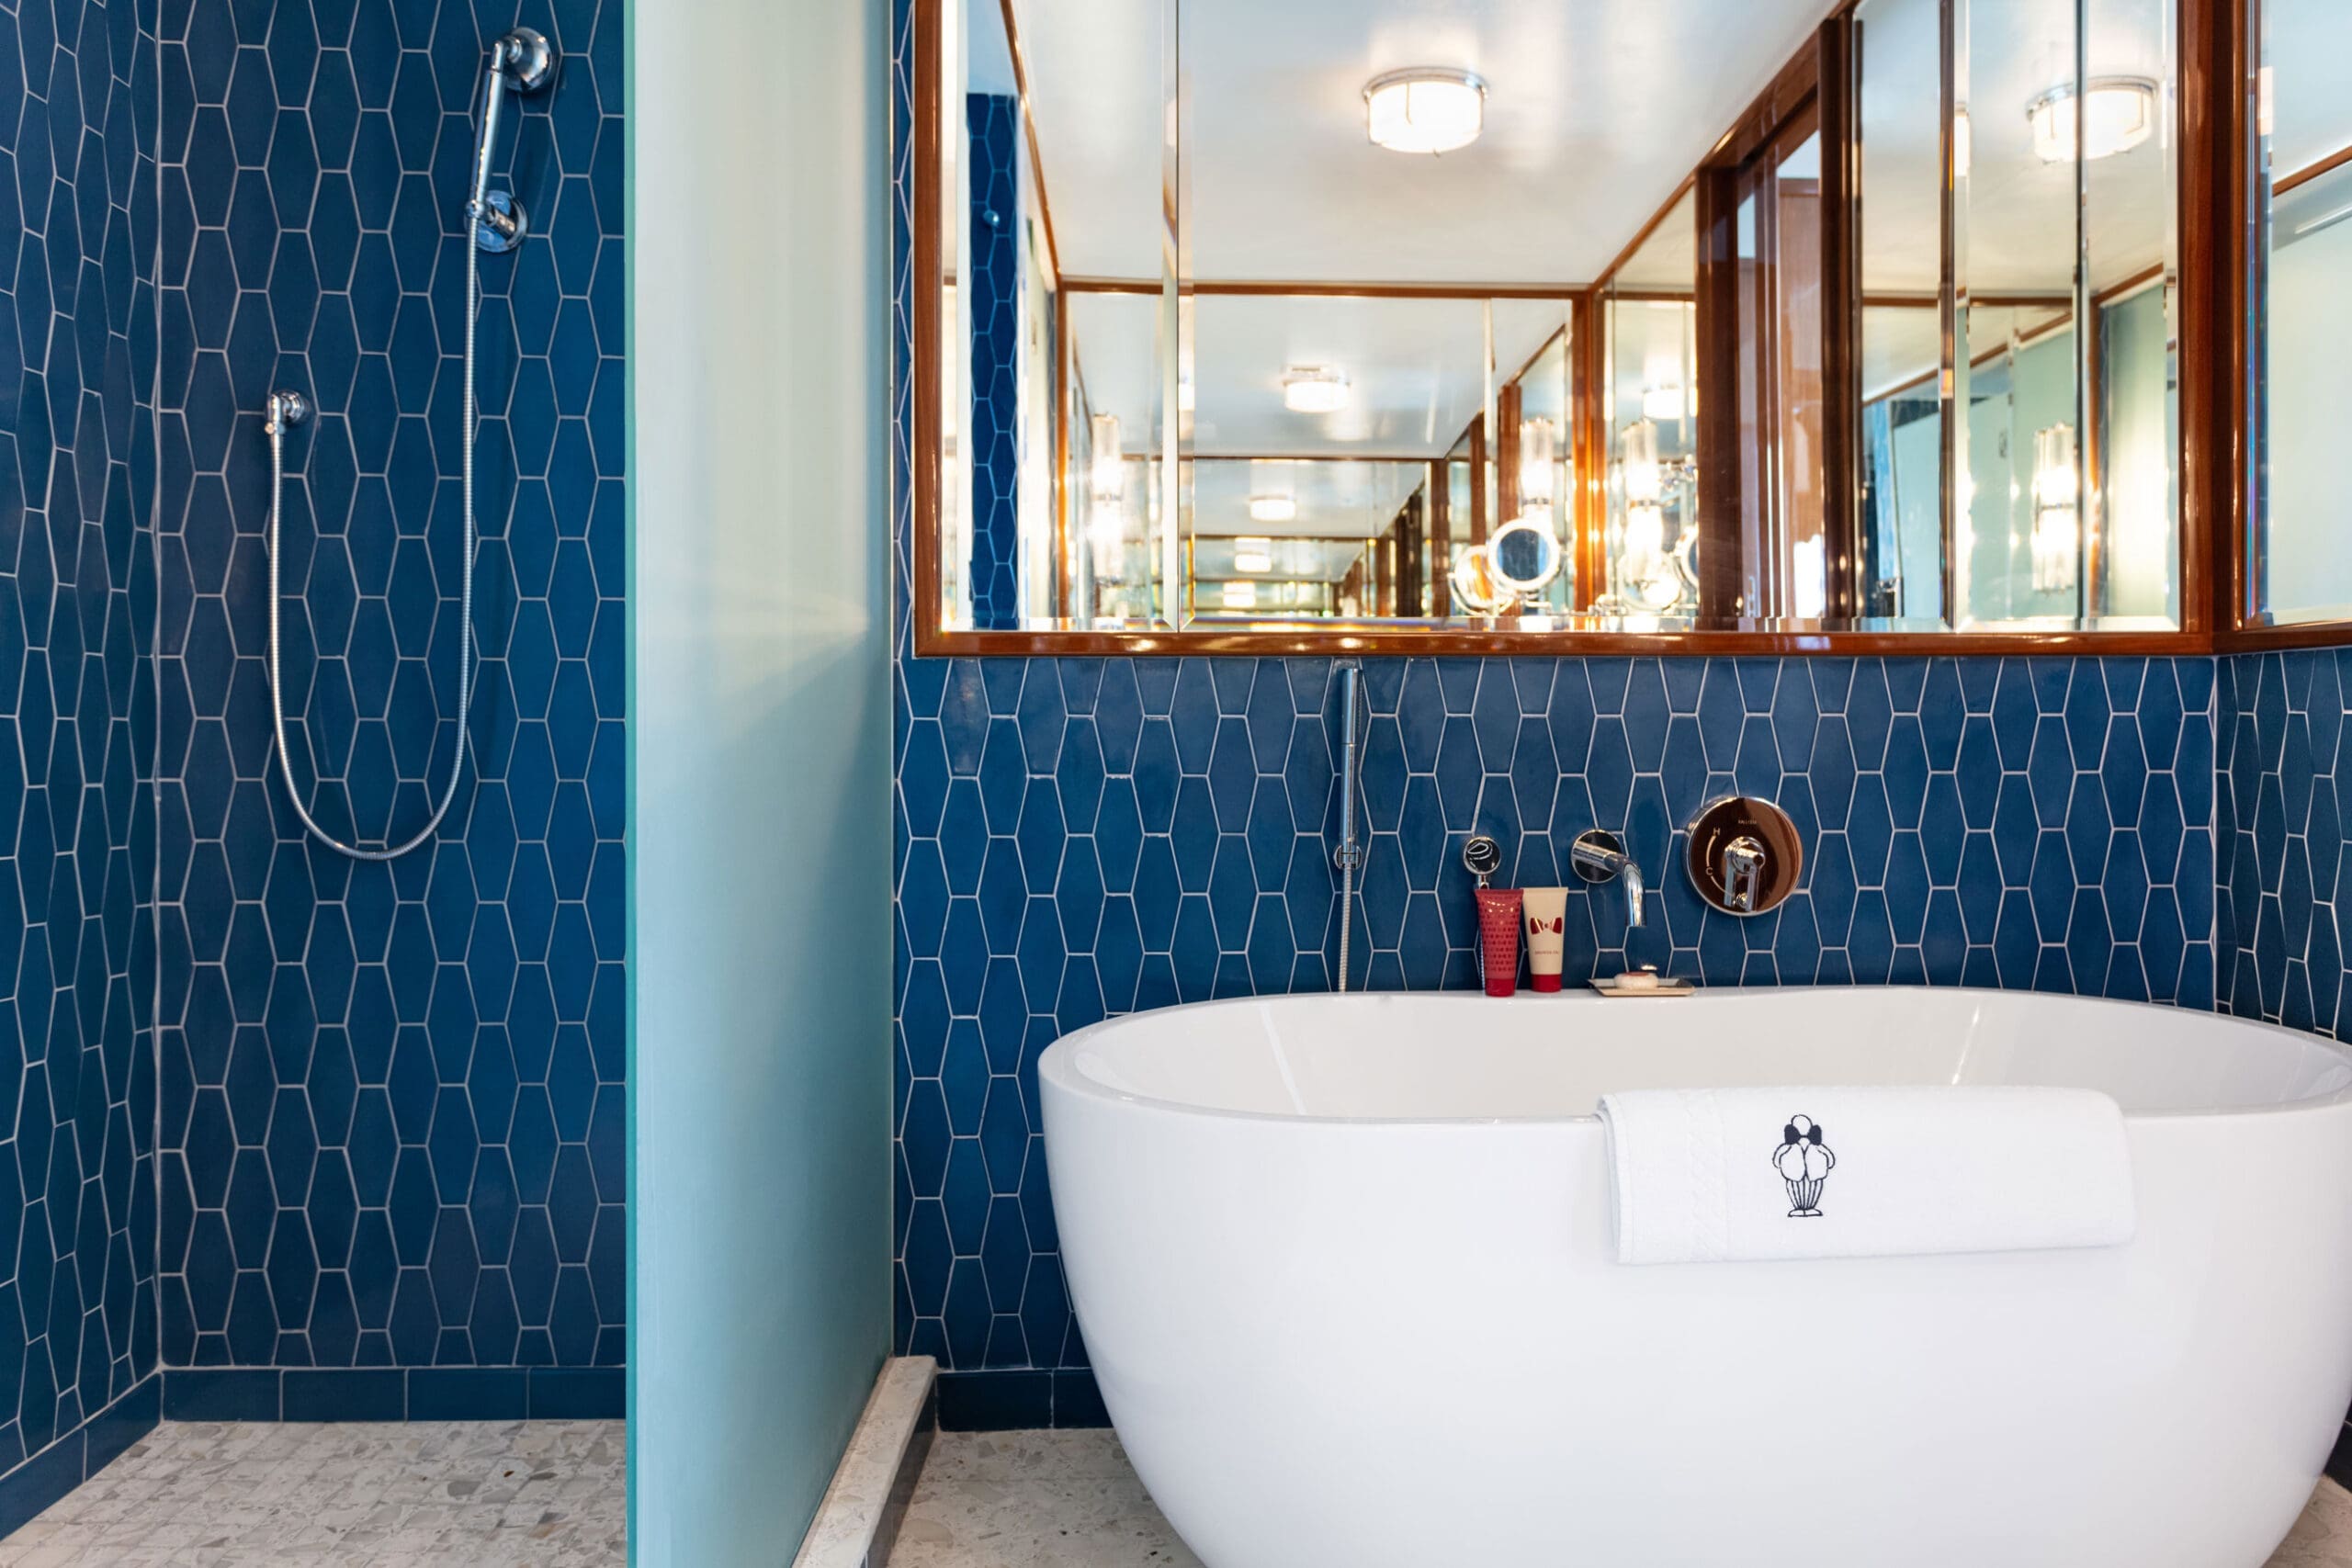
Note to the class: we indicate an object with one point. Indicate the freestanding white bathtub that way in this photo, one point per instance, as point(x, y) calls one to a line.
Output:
point(1344, 1270)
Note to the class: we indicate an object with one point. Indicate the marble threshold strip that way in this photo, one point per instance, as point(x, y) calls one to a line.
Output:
point(858, 1522)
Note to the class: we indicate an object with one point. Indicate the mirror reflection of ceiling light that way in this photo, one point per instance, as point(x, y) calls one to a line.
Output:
point(1313, 390)
point(2120, 112)
point(1644, 475)
point(1425, 109)
point(1663, 404)
point(1272, 509)
point(1253, 555)
point(1108, 475)
point(1238, 595)
point(2057, 508)
point(1537, 457)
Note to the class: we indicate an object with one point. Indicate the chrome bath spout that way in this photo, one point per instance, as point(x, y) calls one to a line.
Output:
point(1598, 857)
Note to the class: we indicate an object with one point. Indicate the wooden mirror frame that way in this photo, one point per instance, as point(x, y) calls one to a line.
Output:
point(2216, 84)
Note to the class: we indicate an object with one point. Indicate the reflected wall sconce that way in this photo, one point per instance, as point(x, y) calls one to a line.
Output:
point(1313, 388)
point(1108, 475)
point(2057, 510)
point(1664, 404)
point(1427, 108)
point(1645, 476)
point(1253, 555)
point(1238, 595)
point(2119, 112)
point(1272, 509)
point(1538, 454)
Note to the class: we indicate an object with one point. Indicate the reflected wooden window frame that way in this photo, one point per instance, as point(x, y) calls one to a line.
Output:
point(2236, 183)
point(2216, 112)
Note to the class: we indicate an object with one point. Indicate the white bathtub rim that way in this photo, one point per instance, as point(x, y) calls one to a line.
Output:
point(1056, 1066)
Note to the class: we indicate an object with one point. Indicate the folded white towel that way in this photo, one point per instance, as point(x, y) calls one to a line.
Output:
point(1744, 1174)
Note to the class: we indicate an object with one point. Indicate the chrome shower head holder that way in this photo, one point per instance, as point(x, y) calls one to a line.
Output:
point(285, 409)
point(520, 62)
point(528, 59)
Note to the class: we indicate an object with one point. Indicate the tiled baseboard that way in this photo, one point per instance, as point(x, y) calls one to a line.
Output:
point(414, 1394)
point(1018, 1402)
point(66, 1463)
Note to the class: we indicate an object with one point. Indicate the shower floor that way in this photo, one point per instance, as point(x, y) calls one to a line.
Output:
point(454, 1494)
point(1069, 1500)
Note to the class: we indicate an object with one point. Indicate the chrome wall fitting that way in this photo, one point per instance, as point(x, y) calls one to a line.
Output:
point(1482, 857)
point(528, 57)
point(285, 409)
point(520, 62)
point(1745, 856)
point(1599, 856)
point(1349, 857)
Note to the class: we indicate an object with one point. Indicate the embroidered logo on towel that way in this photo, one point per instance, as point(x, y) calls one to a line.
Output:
point(1804, 1162)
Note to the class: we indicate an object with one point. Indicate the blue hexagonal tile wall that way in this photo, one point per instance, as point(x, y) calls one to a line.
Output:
point(78, 1326)
point(2283, 828)
point(392, 1097)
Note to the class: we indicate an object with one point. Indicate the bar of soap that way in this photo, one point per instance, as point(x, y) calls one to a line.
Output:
point(1637, 980)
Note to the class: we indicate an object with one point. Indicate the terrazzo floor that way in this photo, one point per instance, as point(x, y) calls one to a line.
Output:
point(455, 1494)
point(1069, 1500)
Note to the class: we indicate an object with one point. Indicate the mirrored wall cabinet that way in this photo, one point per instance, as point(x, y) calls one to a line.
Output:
point(1693, 325)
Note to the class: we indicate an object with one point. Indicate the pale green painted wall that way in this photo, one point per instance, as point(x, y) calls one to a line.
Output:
point(760, 765)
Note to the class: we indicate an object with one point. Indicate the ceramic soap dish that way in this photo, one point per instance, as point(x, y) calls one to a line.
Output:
point(1657, 986)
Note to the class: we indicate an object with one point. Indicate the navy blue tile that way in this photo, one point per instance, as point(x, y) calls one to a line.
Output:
point(1077, 1402)
point(40, 1481)
point(995, 1402)
point(578, 1394)
point(130, 1419)
point(468, 1394)
point(221, 1394)
point(345, 1395)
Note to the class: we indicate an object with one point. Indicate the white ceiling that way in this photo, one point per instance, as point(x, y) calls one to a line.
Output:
point(1416, 368)
point(2020, 232)
point(1335, 500)
point(1669, 257)
point(1597, 109)
point(1902, 347)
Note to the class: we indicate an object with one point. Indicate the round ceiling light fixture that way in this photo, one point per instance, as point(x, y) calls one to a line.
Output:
point(2119, 112)
point(1313, 390)
point(1427, 108)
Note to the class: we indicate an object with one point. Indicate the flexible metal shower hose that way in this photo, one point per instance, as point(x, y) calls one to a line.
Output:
point(464, 604)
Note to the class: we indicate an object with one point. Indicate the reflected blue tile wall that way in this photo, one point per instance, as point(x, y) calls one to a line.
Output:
point(78, 1338)
point(994, 122)
point(2283, 825)
point(392, 1097)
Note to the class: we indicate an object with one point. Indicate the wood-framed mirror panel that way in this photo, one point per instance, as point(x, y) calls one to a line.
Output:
point(1815, 537)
